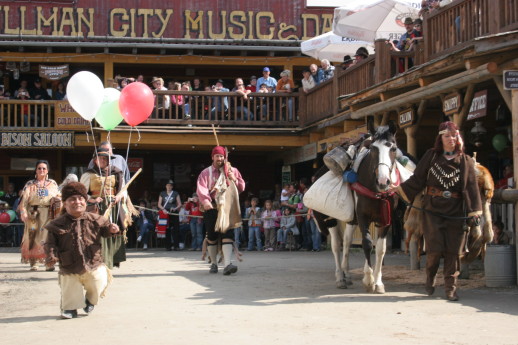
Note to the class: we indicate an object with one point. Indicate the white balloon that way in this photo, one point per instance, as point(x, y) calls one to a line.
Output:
point(85, 93)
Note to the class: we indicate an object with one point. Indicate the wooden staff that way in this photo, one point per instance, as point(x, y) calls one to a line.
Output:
point(215, 135)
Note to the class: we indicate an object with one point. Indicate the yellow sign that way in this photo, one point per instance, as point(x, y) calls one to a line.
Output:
point(66, 118)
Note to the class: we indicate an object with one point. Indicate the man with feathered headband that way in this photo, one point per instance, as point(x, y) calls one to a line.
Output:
point(74, 240)
point(218, 189)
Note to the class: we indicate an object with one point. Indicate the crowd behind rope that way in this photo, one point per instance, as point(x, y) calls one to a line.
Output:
point(276, 224)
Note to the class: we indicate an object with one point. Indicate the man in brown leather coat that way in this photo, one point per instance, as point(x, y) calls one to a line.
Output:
point(74, 239)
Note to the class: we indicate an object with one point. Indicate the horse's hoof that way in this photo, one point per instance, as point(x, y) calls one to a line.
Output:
point(369, 288)
point(379, 289)
point(341, 285)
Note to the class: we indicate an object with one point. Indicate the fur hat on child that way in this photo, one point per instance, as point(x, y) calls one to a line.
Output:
point(73, 188)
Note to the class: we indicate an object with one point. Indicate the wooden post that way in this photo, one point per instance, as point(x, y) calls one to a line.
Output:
point(108, 72)
point(383, 61)
point(514, 111)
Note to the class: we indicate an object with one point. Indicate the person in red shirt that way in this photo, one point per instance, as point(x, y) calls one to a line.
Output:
point(195, 221)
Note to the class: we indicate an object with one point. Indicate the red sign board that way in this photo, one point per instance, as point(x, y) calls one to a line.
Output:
point(478, 105)
point(135, 163)
point(184, 19)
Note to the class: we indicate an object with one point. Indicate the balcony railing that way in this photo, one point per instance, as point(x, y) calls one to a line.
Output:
point(226, 108)
point(26, 114)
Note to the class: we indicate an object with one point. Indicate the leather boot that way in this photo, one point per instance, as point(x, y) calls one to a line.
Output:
point(433, 260)
point(451, 272)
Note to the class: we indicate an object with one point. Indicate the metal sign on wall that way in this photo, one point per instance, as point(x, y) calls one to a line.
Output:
point(238, 19)
point(510, 80)
point(37, 139)
point(478, 105)
point(54, 72)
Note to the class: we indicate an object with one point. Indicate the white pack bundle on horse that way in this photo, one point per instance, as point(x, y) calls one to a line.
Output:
point(331, 196)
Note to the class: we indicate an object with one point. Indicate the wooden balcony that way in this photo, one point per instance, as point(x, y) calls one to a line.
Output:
point(453, 28)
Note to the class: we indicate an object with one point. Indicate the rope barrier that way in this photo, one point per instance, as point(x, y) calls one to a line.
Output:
point(192, 216)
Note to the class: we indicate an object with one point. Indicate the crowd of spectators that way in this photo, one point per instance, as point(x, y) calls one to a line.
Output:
point(281, 222)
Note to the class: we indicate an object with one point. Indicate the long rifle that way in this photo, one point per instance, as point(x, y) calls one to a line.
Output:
point(123, 189)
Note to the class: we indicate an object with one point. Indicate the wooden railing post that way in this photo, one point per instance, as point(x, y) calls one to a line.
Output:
point(383, 61)
point(302, 108)
point(334, 92)
point(494, 21)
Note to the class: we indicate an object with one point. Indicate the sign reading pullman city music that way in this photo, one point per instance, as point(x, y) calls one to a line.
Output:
point(36, 140)
point(187, 19)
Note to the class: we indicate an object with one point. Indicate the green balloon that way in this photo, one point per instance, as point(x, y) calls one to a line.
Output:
point(2, 193)
point(12, 214)
point(499, 142)
point(109, 116)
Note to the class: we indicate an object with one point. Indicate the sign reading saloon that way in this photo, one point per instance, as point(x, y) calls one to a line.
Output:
point(36, 140)
point(239, 19)
point(406, 118)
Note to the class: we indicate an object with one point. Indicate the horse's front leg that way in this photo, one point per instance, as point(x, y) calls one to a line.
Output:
point(336, 242)
point(368, 278)
point(348, 240)
point(381, 249)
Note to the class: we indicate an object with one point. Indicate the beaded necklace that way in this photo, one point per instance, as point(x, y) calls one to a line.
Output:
point(446, 180)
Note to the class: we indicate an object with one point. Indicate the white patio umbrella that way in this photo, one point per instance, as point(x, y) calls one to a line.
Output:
point(332, 47)
point(369, 20)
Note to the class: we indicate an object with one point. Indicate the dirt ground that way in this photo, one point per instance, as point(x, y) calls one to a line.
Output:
point(163, 297)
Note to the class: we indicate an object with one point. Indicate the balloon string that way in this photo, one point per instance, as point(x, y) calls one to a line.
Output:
point(95, 147)
point(125, 166)
point(138, 132)
point(87, 137)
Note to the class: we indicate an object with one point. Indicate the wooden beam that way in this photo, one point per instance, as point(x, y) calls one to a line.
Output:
point(159, 59)
point(168, 141)
point(332, 131)
point(315, 136)
point(466, 104)
point(427, 80)
point(506, 94)
point(460, 80)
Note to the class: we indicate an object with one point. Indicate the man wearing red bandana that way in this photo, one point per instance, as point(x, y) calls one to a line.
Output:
point(218, 189)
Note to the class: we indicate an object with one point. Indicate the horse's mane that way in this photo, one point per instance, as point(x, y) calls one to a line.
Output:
point(383, 133)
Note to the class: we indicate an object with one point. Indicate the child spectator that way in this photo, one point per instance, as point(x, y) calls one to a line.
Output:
point(196, 223)
point(287, 224)
point(285, 193)
point(268, 226)
point(276, 206)
point(253, 213)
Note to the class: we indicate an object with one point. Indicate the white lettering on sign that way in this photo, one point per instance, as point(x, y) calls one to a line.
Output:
point(37, 139)
point(405, 117)
point(478, 103)
point(451, 103)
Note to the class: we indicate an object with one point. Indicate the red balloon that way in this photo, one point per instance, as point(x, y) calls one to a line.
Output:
point(5, 217)
point(136, 103)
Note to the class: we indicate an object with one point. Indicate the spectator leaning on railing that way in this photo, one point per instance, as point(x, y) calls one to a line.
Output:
point(328, 69)
point(307, 81)
point(266, 79)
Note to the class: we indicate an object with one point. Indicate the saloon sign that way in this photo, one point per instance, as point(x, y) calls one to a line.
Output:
point(37, 139)
point(54, 72)
point(478, 105)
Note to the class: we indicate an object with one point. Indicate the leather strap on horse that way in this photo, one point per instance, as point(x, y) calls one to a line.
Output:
point(383, 197)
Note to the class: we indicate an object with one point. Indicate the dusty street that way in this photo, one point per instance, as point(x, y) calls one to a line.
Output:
point(284, 298)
